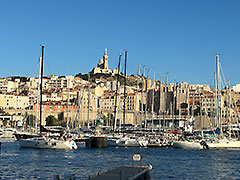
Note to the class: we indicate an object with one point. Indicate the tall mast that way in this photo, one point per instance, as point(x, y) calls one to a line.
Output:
point(174, 102)
point(218, 94)
point(136, 97)
point(88, 100)
point(39, 79)
point(124, 91)
point(67, 104)
point(142, 92)
point(153, 84)
point(187, 101)
point(146, 96)
point(179, 102)
point(215, 100)
point(229, 105)
point(193, 103)
point(116, 94)
point(160, 85)
point(165, 100)
point(41, 88)
point(80, 104)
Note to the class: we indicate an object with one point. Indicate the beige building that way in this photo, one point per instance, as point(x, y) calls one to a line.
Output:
point(13, 101)
point(236, 88)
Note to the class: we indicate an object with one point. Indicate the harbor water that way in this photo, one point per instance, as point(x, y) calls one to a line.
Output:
point(167, 163)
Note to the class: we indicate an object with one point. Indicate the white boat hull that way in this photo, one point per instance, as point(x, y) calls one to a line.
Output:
point(131, 142)
point(41, 143)
point(225, 144)
point(187, 144)
point(127, 143)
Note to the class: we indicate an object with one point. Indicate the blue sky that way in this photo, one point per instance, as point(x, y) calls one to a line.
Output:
point(181, 37)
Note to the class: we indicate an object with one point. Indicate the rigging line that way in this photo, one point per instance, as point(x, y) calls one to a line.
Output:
point(47, 67)
point(221, 70)
point(38, 63)
point(36, 69)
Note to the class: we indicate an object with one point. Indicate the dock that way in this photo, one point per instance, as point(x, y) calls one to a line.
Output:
point(125, 173)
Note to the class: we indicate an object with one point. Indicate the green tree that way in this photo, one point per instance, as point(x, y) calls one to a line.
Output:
point(51, 121)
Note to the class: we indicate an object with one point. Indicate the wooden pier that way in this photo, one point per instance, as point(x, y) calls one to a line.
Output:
point(125, 173)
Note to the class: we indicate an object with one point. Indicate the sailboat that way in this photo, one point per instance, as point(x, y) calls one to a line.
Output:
point(45, 142)
point(221, 142)
point(194, 143)
point(191, 144)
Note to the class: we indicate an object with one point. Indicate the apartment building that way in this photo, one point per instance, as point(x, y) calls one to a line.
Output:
point(13, 101)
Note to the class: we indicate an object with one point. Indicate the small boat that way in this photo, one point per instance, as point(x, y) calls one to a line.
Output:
point(191, 144)
point(43, 143)
point(131, 141)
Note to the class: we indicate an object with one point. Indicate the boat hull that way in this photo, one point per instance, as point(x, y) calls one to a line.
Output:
point(225, 144)
point(44, 144)
point(187, 144)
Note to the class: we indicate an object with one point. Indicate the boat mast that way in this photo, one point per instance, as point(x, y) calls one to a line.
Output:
point(88, 101)
point(153, 92)
point(146, 97)
point(41, 88)
point(215, 100)
point(142, 93)
point(165, 100)
point(116, 94)
point(218, 94)
point(124, 99)
point(37, 105)
point(136, 96)
point(229, 107)
point(160, 87)
point(67, 104)
point(179, 102)
point(174, 102)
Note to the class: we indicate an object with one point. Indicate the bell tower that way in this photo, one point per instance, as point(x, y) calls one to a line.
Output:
point(105, 59)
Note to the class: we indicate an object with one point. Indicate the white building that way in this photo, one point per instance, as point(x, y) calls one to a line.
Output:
point(236, 88)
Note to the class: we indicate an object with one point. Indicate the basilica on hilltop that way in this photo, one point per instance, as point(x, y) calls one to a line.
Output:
point(102, 66)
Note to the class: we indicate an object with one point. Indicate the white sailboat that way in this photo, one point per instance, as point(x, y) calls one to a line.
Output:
point(221, 142)
point(46, 142)
point(131, 141)
point(225, 143)
point(190, 144)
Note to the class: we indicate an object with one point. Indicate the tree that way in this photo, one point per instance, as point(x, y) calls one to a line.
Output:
point(51, 121)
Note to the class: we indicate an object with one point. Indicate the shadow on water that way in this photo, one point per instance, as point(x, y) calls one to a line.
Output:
point(167, 163)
